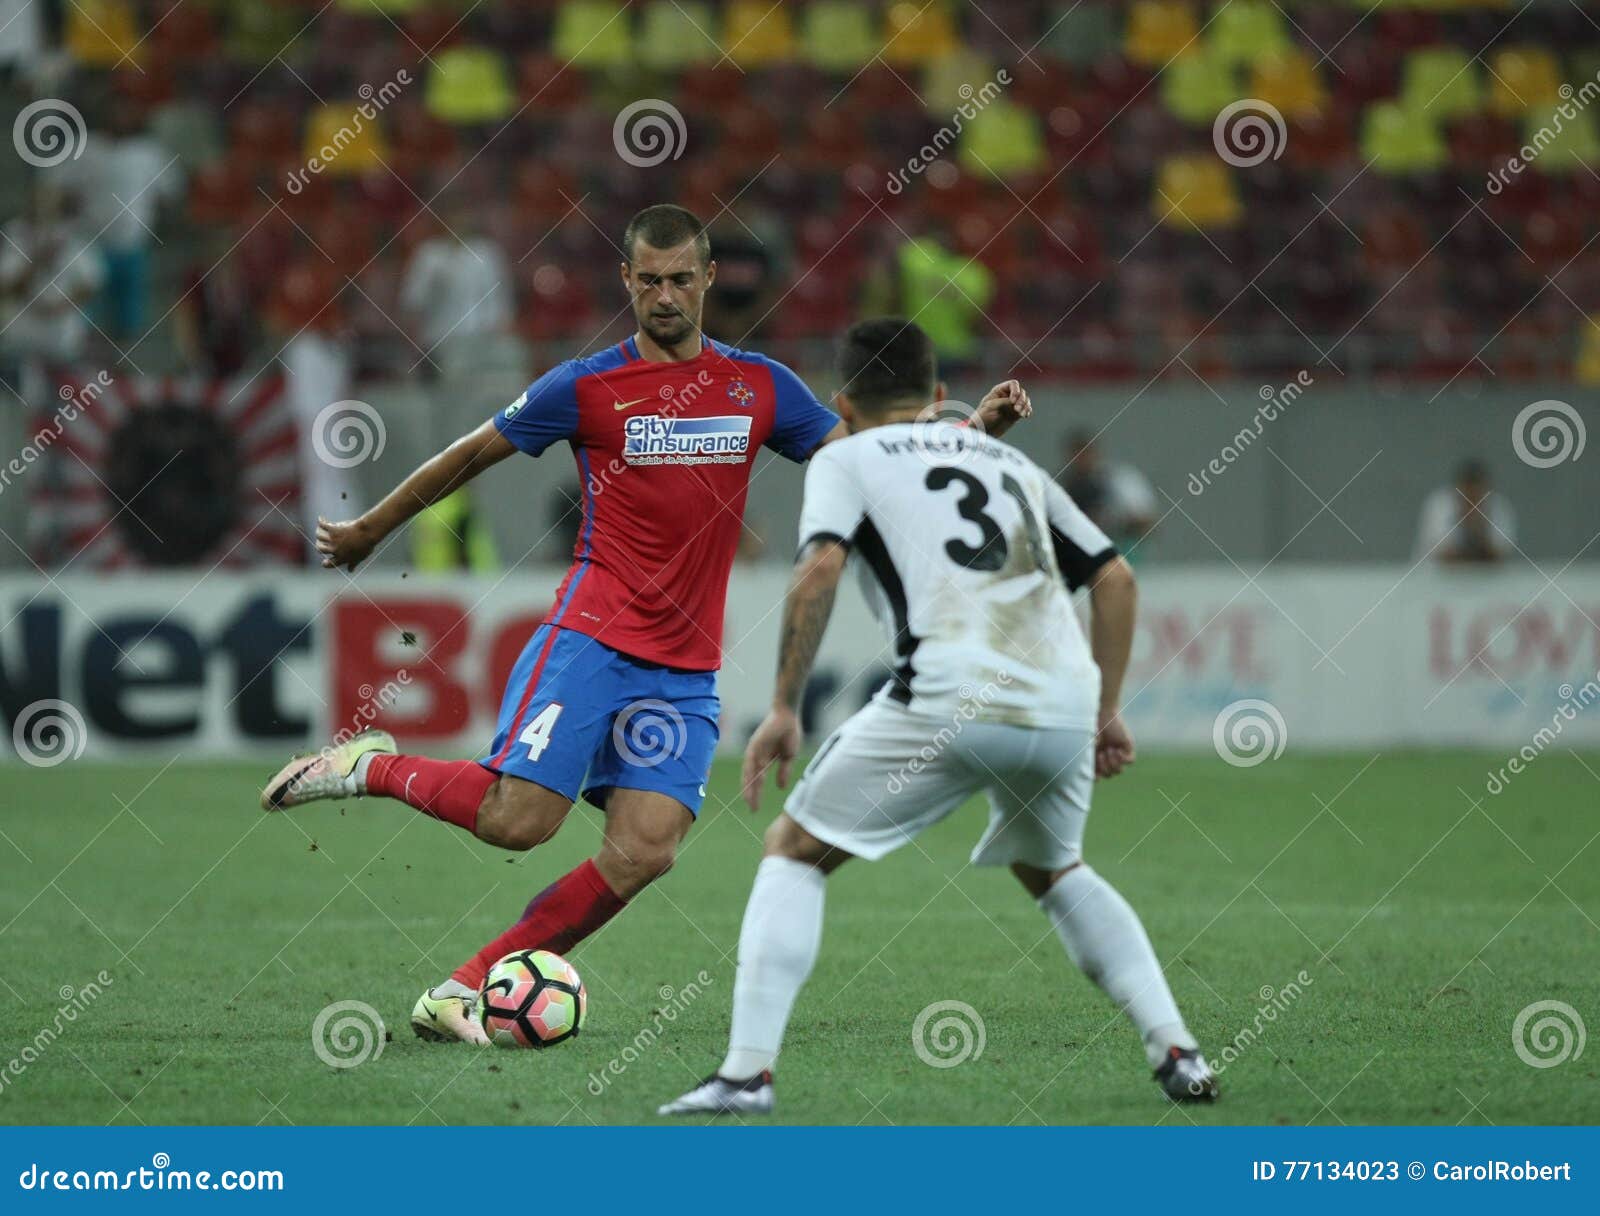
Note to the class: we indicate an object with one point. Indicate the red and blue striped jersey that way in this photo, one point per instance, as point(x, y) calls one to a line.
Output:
point(664, 454)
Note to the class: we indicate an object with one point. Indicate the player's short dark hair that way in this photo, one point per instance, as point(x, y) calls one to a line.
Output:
point(665, 226)
point(886, 360)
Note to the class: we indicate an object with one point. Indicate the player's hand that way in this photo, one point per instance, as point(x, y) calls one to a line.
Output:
point(1113, 745)
point(1006, 403)
point(777, 739)
point(345, 544)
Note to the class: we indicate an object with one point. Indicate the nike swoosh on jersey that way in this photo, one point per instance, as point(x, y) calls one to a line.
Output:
point(628, 405)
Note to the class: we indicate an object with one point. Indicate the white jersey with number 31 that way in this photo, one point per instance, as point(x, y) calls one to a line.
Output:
point(968, 553)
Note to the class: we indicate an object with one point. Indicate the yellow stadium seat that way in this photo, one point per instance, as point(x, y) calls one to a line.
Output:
point(1523, 78)
point(345, 142)
point(101, 33)
point(1397, 139)
point(1002, 140)
point(951, 81)
point(1442, 82)
point(392, 7)
point(1288, 80)
point(1196, 87)
point(593, 34)
point(257, 33)
point(1159, 31)
point(837, 35)
point(758, 32)
point(1242, 31)
point(1195, 192)
point(1564, 144)
point(469, 84)
point(675, 34)
point(1587, 368)
point(915, 31)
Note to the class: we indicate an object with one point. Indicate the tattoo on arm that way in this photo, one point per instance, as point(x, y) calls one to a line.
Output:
point(805, 618)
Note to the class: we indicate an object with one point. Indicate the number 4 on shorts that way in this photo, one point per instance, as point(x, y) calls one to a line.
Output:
point(537, 733)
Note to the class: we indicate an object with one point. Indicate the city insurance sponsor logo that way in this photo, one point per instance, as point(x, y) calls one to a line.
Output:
point(655, 439)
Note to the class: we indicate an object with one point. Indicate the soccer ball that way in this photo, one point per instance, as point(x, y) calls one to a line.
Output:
point(532, 998)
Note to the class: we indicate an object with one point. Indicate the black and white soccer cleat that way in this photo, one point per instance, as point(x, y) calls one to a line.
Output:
point(1184, 1076)
point(720, 1096)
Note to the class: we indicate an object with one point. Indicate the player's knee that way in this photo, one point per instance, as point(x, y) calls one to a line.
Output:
point(786, 838)
point(519, 816)
point(634, 864)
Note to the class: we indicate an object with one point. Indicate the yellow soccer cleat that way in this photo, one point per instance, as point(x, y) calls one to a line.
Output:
point(445, 1019)
point(330, 773)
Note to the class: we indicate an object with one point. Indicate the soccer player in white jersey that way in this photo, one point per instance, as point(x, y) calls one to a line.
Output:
point(970, 553)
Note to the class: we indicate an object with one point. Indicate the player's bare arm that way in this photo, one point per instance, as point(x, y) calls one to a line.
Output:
point(1113, 603)
point(350, 542)
point(806, 610)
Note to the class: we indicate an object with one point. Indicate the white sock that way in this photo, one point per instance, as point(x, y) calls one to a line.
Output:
point(1104, 938)
point(777, 948)
point(359, 772)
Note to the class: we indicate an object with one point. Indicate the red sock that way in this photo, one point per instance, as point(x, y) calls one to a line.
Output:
point(556, 919)
point(450, 790)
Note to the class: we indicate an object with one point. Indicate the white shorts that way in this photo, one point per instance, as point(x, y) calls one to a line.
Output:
point(887, 774)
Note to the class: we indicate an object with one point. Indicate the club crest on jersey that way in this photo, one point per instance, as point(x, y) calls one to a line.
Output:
point(655, 439)
point(741, 393)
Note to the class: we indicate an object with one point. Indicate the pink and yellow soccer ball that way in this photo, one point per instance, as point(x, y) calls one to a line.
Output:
point(532, 998)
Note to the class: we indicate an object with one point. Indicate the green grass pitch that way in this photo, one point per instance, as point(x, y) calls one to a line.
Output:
point(1424, 914)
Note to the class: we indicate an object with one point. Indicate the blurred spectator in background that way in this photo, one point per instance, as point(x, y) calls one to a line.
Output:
point(21, 39)
point(453, 535)
point(216, 316)
point(943, 291)
point(48, 276)
point(747, 256)
point(308, 321)
point(123, 177)
point(1118, 497)
point(1466, 521)
point(457, 287)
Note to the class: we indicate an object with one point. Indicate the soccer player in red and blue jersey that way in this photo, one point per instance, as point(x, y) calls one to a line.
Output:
point(615, 695)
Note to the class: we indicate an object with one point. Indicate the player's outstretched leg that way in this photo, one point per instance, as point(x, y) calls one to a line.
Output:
point(643, 829)
point(1104, 937)
point(778, 946)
